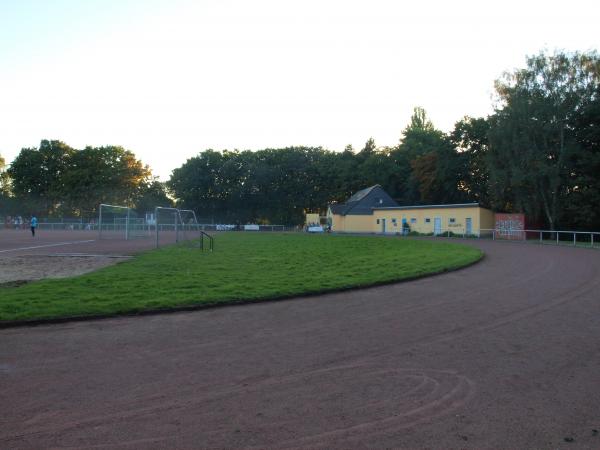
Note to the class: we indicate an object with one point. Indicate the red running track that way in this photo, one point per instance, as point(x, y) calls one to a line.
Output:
point(52, 242)
point(505, 354)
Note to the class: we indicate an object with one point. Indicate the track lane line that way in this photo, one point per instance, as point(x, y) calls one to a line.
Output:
point(46, 246)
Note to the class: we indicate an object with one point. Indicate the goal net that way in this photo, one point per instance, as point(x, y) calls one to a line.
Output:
point(189, 224)
point(174, 225)
point(165, 225)
point(121, 222)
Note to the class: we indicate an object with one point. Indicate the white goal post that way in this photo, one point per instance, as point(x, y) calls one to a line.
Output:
point(175, 224)
point(167, 225)
point(117, 221)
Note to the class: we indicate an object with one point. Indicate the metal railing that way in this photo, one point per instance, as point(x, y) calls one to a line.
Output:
point(557, 237)
point(590, 239)
point(211, 241)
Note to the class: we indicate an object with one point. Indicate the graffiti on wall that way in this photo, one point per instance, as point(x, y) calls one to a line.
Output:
point(510, 226)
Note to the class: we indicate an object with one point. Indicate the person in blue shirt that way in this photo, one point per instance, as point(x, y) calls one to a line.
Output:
point(33, 224)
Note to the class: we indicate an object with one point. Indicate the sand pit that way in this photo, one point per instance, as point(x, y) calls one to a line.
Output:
point(37, 267)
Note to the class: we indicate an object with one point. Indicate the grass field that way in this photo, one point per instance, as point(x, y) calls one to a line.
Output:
point(244, 267)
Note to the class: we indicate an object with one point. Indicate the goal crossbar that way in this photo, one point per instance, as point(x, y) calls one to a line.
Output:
point(127, 211)
point(180, 225)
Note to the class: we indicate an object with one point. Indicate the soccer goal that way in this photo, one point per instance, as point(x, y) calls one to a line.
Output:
point(174, 225)
point(121, 222)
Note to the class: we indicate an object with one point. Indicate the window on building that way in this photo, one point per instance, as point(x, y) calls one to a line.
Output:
point(427, 220)
point(393, 220)
point(452, 220)
point(377, 221)
point(413, 220)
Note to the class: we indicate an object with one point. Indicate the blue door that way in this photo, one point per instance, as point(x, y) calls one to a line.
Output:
point(437, 225)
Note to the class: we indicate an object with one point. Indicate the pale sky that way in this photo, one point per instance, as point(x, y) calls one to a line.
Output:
point(168, 79)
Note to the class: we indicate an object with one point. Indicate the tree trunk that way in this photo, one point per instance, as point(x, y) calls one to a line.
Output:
point(547, 211)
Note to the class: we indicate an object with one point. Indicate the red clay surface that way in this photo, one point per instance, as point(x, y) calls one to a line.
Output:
point(63, 253)
point(20, 242)
point(505, 354)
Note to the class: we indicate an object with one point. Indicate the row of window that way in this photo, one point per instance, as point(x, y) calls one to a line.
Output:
point(413, 220)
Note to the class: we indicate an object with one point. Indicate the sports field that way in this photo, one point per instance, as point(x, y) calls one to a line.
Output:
point(503, 354)
point(244, 267)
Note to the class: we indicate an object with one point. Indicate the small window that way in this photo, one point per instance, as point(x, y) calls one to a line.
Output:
point(452, 220)
point(393, 220)
point(427, 220)
point(413, 220)
point(377, 221)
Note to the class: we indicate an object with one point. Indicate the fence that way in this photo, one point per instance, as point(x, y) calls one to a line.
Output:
point(58, 223)
point(231, 227)
point(147, 227)
point(557, 237)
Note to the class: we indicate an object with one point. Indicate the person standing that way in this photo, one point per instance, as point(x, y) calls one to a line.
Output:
point(34, 224)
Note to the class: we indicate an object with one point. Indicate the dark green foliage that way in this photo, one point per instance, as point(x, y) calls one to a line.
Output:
point(59, 180)
point(270, 185)
point(280, 185)
point(37, 175)
point(539, 153)
point(470, 138)
point(266, 186)
point(102, 175)
point(4, 180)
point(540, 148)
point(2, 167)
point(7, 203)
point(582, 209)
point(427, 167)
point(151, 195)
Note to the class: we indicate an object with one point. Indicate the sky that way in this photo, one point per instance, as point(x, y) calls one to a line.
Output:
point(169, 79)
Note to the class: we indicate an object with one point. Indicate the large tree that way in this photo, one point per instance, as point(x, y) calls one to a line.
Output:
point(470, 137)
point(107, 174)
point(37, 175)
point(428, 166)
point(199, 183)
point(3, 177)
point(581, 211)
point(151, 194)
point(534, 148)
point(57, 179)
point(7, 202)
point(267, 186)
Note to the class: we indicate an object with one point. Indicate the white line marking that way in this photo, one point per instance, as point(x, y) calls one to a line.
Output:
point(85, 255)
point(46, 246)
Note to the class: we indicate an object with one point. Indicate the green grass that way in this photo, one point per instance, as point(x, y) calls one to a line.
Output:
point(244, 267)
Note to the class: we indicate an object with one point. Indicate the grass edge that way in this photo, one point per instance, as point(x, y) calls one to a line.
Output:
point(223, 304)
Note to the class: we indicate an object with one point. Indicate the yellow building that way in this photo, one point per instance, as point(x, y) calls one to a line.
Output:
point(356, 215)
point(312, 219)
point(464, 218)
point(372, 210)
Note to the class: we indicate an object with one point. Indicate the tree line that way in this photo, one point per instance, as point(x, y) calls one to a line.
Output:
point(58, 180)
point(538, 153)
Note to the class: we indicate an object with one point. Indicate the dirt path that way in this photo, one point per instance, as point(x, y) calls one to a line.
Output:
point(504, 354)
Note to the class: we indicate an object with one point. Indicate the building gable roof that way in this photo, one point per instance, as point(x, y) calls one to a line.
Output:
point(363, 202)
point(449, 206)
